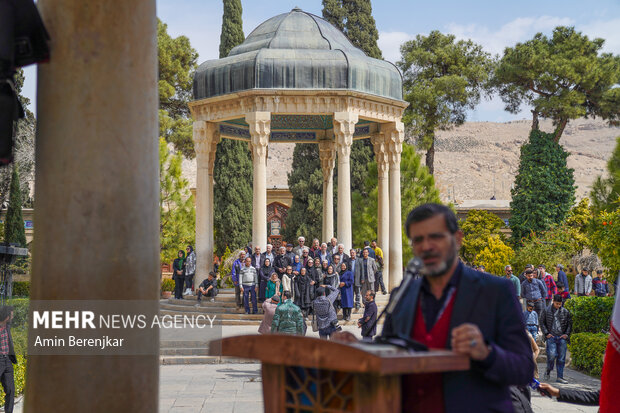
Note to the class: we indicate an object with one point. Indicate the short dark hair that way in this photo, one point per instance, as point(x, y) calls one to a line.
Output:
point(287, 295)
point(529, 271)
point(372, 294)
point(529, 266)
point(426, 211)
point(5, 312)
point(320, 291)
point(212, 274)
point(542, 266)
point(560, 285)
point(557, 298)
point(599, 271)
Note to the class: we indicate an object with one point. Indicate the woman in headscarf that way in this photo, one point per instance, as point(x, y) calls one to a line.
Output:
point(304, 291)
point(331, 278)
point(178, 273)
point(264, 274)
point(273, 286)
point(346, 291)
point(190, 270)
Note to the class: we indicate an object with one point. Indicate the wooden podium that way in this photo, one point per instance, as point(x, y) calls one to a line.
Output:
point(309, 375)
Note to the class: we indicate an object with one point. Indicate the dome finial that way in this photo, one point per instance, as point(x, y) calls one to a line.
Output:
point(296, 8)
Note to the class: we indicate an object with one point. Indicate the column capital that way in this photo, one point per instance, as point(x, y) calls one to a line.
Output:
point(380, 146)
point(327, 155)
point(260, 130)
point(206, 137)
point(394, 137)
point(344, 128)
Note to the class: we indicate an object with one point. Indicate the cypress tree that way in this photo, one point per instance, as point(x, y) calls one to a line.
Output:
point(354, 19)
point(14, 231)
point(544, 189)
point(232, 27)
point(233, 165)
point(305, 182)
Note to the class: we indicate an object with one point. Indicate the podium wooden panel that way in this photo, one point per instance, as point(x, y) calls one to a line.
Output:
point(310, 375)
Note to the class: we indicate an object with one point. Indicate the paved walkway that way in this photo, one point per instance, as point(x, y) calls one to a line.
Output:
point(236, 388)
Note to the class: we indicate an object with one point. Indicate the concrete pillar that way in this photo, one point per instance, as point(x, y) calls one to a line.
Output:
point(394, 133)
point(344, 128)
point(260, 128)
point(97, 187)
point(206, 138)
point(327, 154)
point(383, 202)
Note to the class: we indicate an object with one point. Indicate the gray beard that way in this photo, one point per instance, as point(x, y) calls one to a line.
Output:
point(443, 266)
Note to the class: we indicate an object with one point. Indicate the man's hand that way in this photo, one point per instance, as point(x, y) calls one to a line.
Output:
point(241, 289)
point(555, 392)
point(564, 336)
point(359, 325)
point(549, 335)
point(468, 340)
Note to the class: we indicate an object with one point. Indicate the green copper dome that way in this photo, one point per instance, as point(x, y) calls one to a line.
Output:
point(297, 50)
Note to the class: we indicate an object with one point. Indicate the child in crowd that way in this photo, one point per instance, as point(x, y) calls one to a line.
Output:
point(561, 291)
point(531, 319)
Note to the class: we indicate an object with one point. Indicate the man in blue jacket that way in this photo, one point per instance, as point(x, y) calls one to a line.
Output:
point(457, 308)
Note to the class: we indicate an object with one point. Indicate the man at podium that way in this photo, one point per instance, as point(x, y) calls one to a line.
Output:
point(455, 307)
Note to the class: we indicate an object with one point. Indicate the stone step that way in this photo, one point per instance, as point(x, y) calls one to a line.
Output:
point(184, 344)
point(179, 360)
point(184, 351)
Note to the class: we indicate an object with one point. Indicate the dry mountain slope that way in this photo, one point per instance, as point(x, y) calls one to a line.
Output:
point(479, 159)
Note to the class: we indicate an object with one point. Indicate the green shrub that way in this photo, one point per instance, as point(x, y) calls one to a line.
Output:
point(588, 351)
point(167, 284)
point(19, 375)
point(20, 340)
point(590, 314)
point(20, 311)
point(21, 288)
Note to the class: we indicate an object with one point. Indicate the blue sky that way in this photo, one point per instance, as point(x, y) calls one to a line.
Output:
point(494, 24)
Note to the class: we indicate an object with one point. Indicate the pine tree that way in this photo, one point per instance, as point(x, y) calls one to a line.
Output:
point(561, 77)
point(544, 189)
point(233, 164)
point(176, 64)
point(14, 231)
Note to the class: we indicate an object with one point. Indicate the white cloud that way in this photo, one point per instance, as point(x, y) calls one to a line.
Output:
point(518, 30)
point(390, 42)
point(607, 30)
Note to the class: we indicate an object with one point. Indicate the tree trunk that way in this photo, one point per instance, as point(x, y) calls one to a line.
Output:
point(430, 157)
point(557, 134)
point(534, 120)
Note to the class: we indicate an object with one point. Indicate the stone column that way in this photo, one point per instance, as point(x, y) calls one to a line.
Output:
point(327, 154)
point(206, 138)
point(394, 134)
point(260, 129)
point(97, 187)
point(383, 202)
point(344, 128)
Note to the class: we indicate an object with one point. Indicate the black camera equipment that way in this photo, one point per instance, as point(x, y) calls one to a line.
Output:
point(23, 41)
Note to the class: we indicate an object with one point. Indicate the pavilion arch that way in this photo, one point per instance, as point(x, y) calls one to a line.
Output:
point(298, 79)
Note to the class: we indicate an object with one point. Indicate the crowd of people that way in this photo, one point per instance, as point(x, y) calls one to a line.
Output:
point(316, 282)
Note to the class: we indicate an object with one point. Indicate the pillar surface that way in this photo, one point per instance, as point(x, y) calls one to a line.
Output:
point(383, 201)
point(97, 189)
point(344, 128)
point(259, 134)
point(206, 138)
point(327, 155)
point(394, 133)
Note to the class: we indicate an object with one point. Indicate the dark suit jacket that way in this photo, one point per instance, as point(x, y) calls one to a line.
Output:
point(488, 302)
